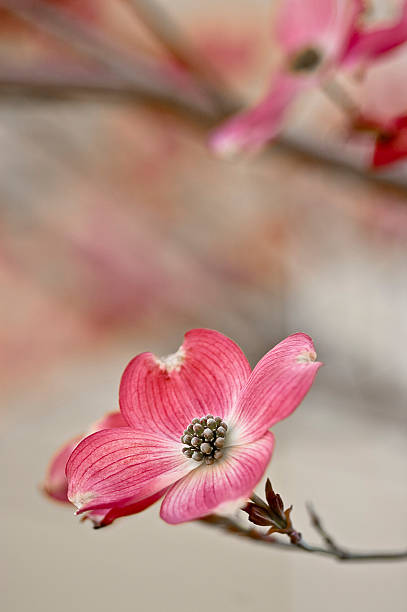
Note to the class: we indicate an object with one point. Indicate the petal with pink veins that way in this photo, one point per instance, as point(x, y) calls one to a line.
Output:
point(56, 485)
point(207, 489)
point(276, 386)
point(115, 466)
point(204, 376)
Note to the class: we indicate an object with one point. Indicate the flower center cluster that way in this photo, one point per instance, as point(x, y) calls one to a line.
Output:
point(204, 439)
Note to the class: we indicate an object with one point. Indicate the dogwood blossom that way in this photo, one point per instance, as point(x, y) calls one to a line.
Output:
point(197, 427)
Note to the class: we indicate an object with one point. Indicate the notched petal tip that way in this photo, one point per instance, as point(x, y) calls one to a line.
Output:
point(307, 353)
point(173, 362)
point(164, 394)
point(81, 502)
point(307, 357)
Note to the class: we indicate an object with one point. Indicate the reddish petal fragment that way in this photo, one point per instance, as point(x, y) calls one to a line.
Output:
point(208, 488)
point(276, 386)
point(250, 130)
point(204, 376)
point(390, 150)
point(400, 123)
point(55, 484)
point(114, 467)
point(104, 517)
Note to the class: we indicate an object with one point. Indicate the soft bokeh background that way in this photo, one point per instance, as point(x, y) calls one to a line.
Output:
point(119, 232)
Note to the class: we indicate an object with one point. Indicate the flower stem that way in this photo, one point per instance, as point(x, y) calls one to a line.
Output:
point(141, 81)
point(341, 554)
point(341, 97)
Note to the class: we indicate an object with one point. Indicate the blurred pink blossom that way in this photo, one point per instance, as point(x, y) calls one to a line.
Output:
point(316, 38)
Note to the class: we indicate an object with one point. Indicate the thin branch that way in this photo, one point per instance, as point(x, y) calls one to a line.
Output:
point(317, 524)
point(229, 525)
point(62, 88)
point(142, 81)
point(340, 97)
point(138, 70)
point(189, 108)
point(169, 35)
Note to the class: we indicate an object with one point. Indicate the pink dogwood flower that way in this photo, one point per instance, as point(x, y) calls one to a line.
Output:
point(56, 484)
point(316, 38)
point(197, 427)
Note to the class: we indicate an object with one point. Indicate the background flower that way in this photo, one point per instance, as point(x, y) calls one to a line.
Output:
point(316, 39)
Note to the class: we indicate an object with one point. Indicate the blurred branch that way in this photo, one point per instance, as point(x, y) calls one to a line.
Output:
point(142, 80)
point(138, 71)
point(62, 88)
point(172, 39)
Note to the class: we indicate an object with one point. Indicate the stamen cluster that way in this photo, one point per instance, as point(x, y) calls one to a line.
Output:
point(205, 439)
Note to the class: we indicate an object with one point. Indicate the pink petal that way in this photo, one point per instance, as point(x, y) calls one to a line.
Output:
point(323, 25)
point(103, 517)
point(113, 467)
point(249, 130)
point(299, 23)
point(370, 44)
point(208, 488)
point(204, 376)
point(276, 386)
point(55, 484)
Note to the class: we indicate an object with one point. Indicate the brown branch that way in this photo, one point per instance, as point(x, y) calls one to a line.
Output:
point(272, 514)
point(171, 38)
point(133, 69)
point(231, 526)
point(143, 81)
point(317, 524)
point(61, 88)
